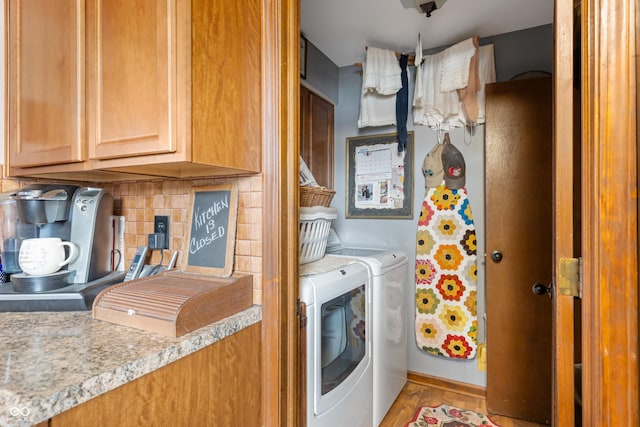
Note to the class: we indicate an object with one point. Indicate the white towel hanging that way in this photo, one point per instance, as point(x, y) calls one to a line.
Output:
point(382, 72)
point(454, 72)
point(418, 91)
point(443, 110)
point(376, 109)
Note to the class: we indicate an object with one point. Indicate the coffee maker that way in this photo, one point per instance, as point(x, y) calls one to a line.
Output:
point(80, 215)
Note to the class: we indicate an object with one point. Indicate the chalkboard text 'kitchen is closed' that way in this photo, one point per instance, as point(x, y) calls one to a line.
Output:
point(212, 229)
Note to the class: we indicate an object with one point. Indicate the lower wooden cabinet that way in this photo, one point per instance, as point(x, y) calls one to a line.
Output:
point(216, 386)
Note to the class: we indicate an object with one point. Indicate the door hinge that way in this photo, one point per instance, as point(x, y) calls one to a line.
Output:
point(570, 277)
point(301, 312)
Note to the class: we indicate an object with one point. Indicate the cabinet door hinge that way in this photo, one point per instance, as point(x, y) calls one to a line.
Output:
point(570, 277)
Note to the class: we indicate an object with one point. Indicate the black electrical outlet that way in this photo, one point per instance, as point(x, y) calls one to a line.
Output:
point(161, 226)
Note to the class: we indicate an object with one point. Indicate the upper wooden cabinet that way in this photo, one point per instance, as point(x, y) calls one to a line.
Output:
point(104, 89)
point(316, 135)
point(130, 64)
point(45, 74)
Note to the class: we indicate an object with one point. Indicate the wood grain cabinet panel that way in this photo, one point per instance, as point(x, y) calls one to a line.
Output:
point(316, 135)
point(131, 57)
point(143, 87)
point(45, 82)
point(216, 386)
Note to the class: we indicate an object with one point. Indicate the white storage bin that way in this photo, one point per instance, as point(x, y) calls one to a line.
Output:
point(315, 223)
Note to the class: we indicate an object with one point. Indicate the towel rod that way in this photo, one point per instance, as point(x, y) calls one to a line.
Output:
point(409, 62)
point(398, 54)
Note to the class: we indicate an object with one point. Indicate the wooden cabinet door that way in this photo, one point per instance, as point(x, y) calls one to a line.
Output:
point(45, 82)
point(316, 136)
point(130, 77)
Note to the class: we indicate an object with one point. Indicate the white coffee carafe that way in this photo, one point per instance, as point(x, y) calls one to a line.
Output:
point(12, 233)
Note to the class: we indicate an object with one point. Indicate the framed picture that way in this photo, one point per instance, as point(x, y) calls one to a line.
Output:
point(303, 57)
point(379, 177)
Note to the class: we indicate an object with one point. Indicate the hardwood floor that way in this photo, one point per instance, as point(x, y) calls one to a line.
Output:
point(414, 395)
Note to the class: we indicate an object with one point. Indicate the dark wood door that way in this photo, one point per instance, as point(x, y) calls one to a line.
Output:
point(519, 248)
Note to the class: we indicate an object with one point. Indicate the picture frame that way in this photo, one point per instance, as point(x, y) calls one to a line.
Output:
point(379, 177)
point(303, 57)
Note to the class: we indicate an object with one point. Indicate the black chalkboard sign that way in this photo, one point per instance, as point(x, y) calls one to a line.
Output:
point(212, 229)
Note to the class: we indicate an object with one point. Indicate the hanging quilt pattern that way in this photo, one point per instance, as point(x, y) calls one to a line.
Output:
point(446, 275)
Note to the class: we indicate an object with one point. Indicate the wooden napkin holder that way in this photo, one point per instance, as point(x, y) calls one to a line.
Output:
point(174, 303)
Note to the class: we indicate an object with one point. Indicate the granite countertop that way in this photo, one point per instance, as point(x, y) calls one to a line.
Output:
point(53, 361)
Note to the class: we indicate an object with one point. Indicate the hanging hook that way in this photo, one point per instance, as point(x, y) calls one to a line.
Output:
point(439, 134)
point(472, 128)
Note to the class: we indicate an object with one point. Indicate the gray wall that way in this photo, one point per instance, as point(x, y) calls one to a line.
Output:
point(322, 74)
point(516, 52)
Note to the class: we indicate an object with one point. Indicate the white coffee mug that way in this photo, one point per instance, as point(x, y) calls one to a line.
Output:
point(44, 255)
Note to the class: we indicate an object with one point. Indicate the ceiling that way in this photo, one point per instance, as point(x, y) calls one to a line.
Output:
point(341, 29)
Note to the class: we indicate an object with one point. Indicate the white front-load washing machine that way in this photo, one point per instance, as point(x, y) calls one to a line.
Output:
point(339, 371)
point(388, 269)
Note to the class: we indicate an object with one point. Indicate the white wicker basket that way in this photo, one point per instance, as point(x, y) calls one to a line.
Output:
point(315, 223)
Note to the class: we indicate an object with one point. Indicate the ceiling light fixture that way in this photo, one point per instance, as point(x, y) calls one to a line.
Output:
point(429, 7)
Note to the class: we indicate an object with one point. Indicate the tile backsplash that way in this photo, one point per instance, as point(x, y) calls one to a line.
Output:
point(140, 201)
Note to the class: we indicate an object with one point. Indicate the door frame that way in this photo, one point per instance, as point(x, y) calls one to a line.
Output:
point(280, 140)
point(563, 216)
point(610, 212)
point(609, 205)
point(609, 241)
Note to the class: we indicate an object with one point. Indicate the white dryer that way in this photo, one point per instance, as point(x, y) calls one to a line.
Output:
point(337, 295)
point(389, 318)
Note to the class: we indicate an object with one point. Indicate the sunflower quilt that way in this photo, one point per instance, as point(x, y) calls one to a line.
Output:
point(446, 275)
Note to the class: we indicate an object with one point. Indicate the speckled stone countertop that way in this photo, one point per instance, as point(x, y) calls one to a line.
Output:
point(51, 362)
